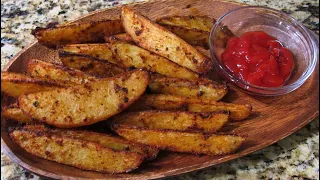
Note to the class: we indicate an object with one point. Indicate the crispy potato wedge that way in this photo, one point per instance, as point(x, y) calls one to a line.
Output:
point(100, 51)
point(87, 32)
point(119, 37)
point(131, 56)
point(61, 75)
point(237, 111)
point(15, 84)
point(78, 153)
point(85, 104)
point(115, 143)
point(222, 37)
point(187, 142)
point(180, 121)
point(173, 103)
point(89, 65)
point(159, 40)
point(200, 89)
point(203, 23)
point(15, 113)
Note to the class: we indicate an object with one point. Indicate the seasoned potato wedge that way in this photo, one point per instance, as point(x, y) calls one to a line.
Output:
point(87, 32)
point(89, 65)
point(237, 111)
point(119, 37)
point(15, 84)
point(159, 40)
point(200, 89)
point(180, 121)
point(78, 153)
point(222, 36)
point(100, 51)
point(61, 75)
point(131, 56)
point(169, 102)
point(15, 113)
point(85, 104)
point(203, 23)
point(187, 142)
point(115, 143)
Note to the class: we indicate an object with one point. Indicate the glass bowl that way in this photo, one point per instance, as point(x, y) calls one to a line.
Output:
point(292, 34)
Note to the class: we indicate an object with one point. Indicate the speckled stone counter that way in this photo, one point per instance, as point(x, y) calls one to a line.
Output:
point(295, 157)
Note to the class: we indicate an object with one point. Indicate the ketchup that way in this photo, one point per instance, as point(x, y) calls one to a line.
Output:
point(258, 59)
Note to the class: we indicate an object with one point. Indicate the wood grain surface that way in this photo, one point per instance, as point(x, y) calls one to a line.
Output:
point(273, 118)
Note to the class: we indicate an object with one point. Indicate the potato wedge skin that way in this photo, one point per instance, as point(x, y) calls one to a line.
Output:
point(238, 112)
point(61, 75)
point(133, 56)
point(187, 142)
point(203, 23)
point(90, 66)
point(119, 37)
point(88, 32)
point(200, 89)
point(14, 84)
point(100, 51)
point(108, 141)
point(180, 121)
point(159, 40)
point(81, 154)
point(15, 113)
point(85, 104)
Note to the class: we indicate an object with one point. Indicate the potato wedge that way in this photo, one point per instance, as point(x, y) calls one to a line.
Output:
point(159, 40)
point(61, 75)
point(203, 23)
point(180, 121)
point(89, 65)
point(238, 112)
point(131, 56)
point(115, 143)
point(15, 84)
point(173, 103)
point(100, 51)
point(15, 113)
point(200, 88)
point(78, 153)
point(119, 37)
point(186, 142)
point(87, 32)
point(222, 37)
point(85, 104)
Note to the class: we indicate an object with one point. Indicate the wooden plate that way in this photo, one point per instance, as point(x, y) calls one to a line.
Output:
point(273, 119)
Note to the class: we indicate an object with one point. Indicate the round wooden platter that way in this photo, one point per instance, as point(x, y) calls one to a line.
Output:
point(273, 118)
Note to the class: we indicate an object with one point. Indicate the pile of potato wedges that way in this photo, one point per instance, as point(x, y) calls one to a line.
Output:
point(143, 80)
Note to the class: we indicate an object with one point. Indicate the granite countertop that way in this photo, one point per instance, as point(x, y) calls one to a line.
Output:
point(295, 157)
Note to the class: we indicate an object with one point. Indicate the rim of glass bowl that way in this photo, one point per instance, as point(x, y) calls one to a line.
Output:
point(282, 89)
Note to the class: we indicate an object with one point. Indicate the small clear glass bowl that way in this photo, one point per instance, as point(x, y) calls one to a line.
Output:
point(292, 34)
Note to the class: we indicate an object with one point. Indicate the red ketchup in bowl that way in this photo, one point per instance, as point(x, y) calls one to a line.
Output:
point(258, 58)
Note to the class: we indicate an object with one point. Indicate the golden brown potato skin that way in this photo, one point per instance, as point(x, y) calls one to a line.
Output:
point(85, 104)
point(15, 113)
point(15, 84)
point(180, 121)
point(131, 56)
point(61, 75)
point(203, 23)
point(157, 39)
point(91, 66)
point(238, 112)
point(202, 89)
point(78, 153)
point(119, 37)
point(108, 141)
point(100, 51)
point(87, 32)
point(187, 142)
